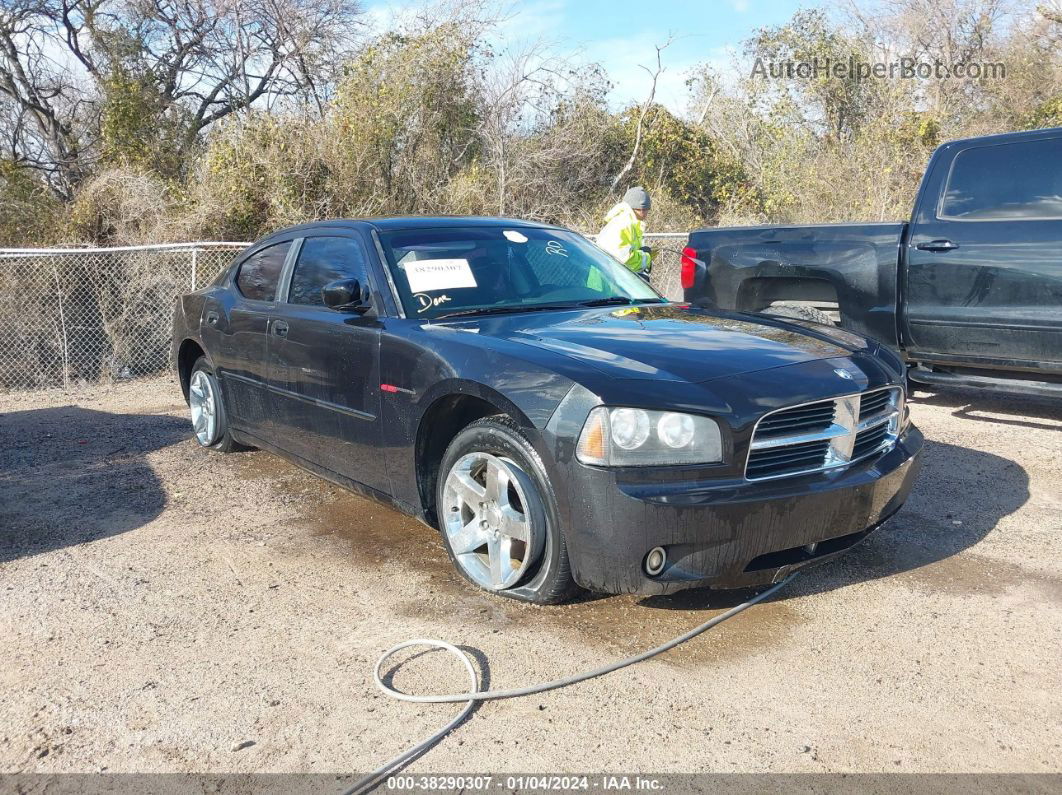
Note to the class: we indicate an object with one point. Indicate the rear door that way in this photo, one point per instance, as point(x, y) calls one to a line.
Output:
point(325, 365)
point(240, 330)
point(984, 262)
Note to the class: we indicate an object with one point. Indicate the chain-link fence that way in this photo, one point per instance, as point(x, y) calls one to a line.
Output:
point(75, 316)
point(666, 273)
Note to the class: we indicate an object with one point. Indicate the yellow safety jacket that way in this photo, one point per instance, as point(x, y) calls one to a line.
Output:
point(622, 237)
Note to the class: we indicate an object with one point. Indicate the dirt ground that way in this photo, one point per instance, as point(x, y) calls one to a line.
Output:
point(167, 609)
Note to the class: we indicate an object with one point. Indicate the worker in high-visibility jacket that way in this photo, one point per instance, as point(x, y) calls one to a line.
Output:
point(624, 230)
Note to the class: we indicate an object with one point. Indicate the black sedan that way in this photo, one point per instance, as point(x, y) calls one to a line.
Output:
point(560, 422)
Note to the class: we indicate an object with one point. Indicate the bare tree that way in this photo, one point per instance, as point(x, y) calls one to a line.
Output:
point(654, 75)
point(1051, 11)
point(200, 60)
point(519, 87)
point(45, 102)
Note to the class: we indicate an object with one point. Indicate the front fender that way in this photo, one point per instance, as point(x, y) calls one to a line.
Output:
point(422, 376)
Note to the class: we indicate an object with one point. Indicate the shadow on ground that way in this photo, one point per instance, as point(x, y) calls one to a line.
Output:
point(70, 475)
point(1040, 413)
point(959, 498)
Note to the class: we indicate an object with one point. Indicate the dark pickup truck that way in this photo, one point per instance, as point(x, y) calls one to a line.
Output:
point(969, 290)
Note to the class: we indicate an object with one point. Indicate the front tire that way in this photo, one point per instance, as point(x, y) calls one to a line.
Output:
point(210, 425)
point(498, 517)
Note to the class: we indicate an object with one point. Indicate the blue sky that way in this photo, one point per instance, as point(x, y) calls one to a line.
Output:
point(621, 34)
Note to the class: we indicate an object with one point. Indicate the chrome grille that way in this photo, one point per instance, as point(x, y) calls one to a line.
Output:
point(874, 403)
point(870, 440)
point(814, 417)
point(825, 434)
point(775, 461)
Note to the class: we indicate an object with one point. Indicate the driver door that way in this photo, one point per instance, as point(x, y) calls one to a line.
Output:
point(325, 365)
point(984, 270)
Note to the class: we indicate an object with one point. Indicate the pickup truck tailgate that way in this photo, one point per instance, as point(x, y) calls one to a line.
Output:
point(853, 265)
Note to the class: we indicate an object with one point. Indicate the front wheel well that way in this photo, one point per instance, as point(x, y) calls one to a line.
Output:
point(443, 420)
point(187, 356)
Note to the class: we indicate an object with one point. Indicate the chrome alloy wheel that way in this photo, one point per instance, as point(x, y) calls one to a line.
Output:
point(493, 519)
point(203, 401)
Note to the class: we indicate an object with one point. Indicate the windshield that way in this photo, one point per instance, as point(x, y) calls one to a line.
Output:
point(497, 269)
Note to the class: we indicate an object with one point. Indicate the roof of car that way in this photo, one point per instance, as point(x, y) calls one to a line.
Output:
point(433, 221)
point(413, 222)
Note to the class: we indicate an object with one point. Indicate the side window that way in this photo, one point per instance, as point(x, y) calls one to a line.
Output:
point(323, 260)
point(1016, 181)
point(260, 272)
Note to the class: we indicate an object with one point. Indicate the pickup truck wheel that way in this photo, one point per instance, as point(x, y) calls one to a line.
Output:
point(800, 312)
point(498, 516)
point(209, 422)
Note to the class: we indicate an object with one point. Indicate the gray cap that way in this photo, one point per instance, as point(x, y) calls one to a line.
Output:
point(637, 198)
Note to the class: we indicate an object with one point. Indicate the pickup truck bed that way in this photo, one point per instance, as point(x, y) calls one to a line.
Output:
point(850, 269)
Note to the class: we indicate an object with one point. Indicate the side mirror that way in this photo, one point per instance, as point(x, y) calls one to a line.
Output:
point(346, 295)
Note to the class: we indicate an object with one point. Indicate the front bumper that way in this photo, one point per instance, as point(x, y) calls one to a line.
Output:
point(730, 536)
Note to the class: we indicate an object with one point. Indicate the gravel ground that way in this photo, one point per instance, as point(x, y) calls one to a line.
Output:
point(166, 609)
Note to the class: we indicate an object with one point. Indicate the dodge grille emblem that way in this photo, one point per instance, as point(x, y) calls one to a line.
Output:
point(843, 373)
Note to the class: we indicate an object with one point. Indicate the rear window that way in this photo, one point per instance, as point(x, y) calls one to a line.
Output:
point(260, 272)
point(1018, 181)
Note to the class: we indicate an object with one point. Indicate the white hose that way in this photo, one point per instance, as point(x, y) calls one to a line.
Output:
point(372, 780)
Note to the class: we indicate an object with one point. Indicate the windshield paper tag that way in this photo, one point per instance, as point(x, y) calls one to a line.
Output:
point(427, 275)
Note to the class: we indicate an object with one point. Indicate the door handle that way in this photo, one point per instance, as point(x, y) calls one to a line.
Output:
point(937, 245)
point(212, 318)
point(280, 328)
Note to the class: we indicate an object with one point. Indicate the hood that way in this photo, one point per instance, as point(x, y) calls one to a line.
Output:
point(668, 342)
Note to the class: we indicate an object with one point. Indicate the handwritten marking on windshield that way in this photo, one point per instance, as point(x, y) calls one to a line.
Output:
point(554, 247)
point(427, 302)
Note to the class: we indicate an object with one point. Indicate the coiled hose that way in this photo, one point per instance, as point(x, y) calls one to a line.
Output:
point(372, 780)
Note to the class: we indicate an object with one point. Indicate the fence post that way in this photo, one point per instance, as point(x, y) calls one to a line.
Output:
point(195, 262)
point(62, 327)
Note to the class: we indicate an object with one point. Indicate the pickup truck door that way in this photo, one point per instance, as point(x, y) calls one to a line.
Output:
point(983, 279)
point(325, 365)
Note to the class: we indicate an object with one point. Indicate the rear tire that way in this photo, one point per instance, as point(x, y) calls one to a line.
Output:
point(800, 312)
point(515, 520)
point(210, 424)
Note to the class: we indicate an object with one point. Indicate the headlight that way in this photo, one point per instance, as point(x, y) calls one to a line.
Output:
point(635, 437)
point(629, 427)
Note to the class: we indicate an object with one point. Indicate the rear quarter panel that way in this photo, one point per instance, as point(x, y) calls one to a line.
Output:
point(747, 267)
point(187, 311)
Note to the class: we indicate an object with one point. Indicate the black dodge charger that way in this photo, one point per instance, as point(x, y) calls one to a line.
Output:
point(558, 420)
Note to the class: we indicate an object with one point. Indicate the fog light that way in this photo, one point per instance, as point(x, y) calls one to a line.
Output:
point(655, 561)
